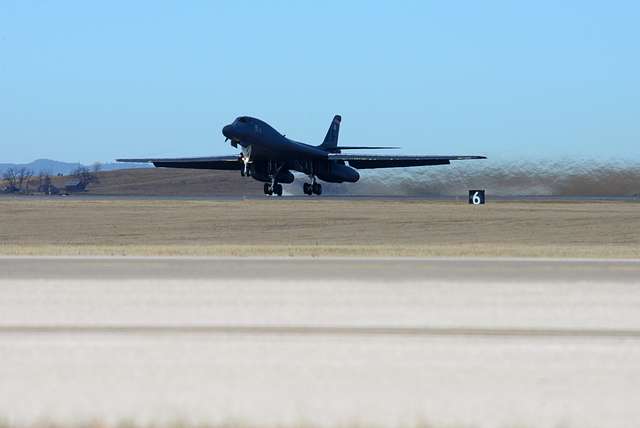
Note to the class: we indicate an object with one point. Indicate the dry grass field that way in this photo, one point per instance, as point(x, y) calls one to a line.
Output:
point(317, 227)
point(170, 182)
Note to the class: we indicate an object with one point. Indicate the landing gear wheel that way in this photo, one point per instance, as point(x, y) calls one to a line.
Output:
point(306, 188)
point(317, 188)
point(277, 189)
point(267, 189)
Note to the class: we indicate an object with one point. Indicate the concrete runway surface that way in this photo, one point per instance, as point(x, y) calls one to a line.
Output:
point(463, 342)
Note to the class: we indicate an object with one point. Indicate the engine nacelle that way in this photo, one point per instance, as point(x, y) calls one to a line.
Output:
point(260, 173)
point(333, 172)
point(285, 176)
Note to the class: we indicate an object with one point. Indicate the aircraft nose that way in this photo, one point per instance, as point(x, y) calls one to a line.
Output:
point(227, 131)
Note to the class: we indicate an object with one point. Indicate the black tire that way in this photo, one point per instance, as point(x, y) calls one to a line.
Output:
point(267, 188)
point(317, 188)
point(277, 189)
point(306, 188)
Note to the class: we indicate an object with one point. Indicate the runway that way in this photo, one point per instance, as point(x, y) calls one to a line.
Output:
point(365, 269)
point(464, 342)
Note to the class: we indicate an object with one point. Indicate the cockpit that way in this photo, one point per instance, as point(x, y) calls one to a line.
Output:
point(241, 127)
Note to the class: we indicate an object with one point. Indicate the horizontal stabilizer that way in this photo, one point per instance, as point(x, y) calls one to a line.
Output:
point(364, 147)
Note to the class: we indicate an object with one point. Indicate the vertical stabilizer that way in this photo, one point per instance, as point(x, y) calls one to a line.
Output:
point(331, 140)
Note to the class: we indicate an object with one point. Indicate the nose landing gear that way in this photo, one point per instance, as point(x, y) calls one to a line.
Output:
point(245, 158)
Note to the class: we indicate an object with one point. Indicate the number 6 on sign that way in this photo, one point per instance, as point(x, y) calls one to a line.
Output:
point(476, 197)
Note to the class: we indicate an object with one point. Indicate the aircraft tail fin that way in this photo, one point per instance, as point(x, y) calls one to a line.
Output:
point(331, 139)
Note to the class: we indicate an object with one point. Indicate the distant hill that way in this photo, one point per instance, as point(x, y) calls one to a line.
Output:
point(54, 167)
point(51, 166)
point(142, 180)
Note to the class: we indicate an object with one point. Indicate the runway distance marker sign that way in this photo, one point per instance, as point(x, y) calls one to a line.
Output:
point(476, 197)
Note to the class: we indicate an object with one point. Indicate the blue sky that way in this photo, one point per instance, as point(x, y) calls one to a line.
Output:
point(85, 81)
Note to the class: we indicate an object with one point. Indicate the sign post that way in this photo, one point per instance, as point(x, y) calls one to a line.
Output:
point(476, 197)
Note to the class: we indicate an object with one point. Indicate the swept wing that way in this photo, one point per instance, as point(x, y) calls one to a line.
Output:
point(212, 162)
point(396, 161)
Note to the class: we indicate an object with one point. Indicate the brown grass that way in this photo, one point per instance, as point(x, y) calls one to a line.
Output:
point(318, 227)
point(163, 181)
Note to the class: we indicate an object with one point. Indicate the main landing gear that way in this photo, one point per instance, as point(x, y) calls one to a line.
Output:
point(273, 170)
point(312, 188)
point(273, 188)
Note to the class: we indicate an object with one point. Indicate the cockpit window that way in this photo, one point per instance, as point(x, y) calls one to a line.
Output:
point(243, 119)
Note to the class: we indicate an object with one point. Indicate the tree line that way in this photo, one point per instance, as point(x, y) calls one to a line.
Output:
point(20, 180)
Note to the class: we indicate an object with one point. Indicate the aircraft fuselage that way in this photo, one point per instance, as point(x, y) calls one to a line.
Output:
point(263, 145)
